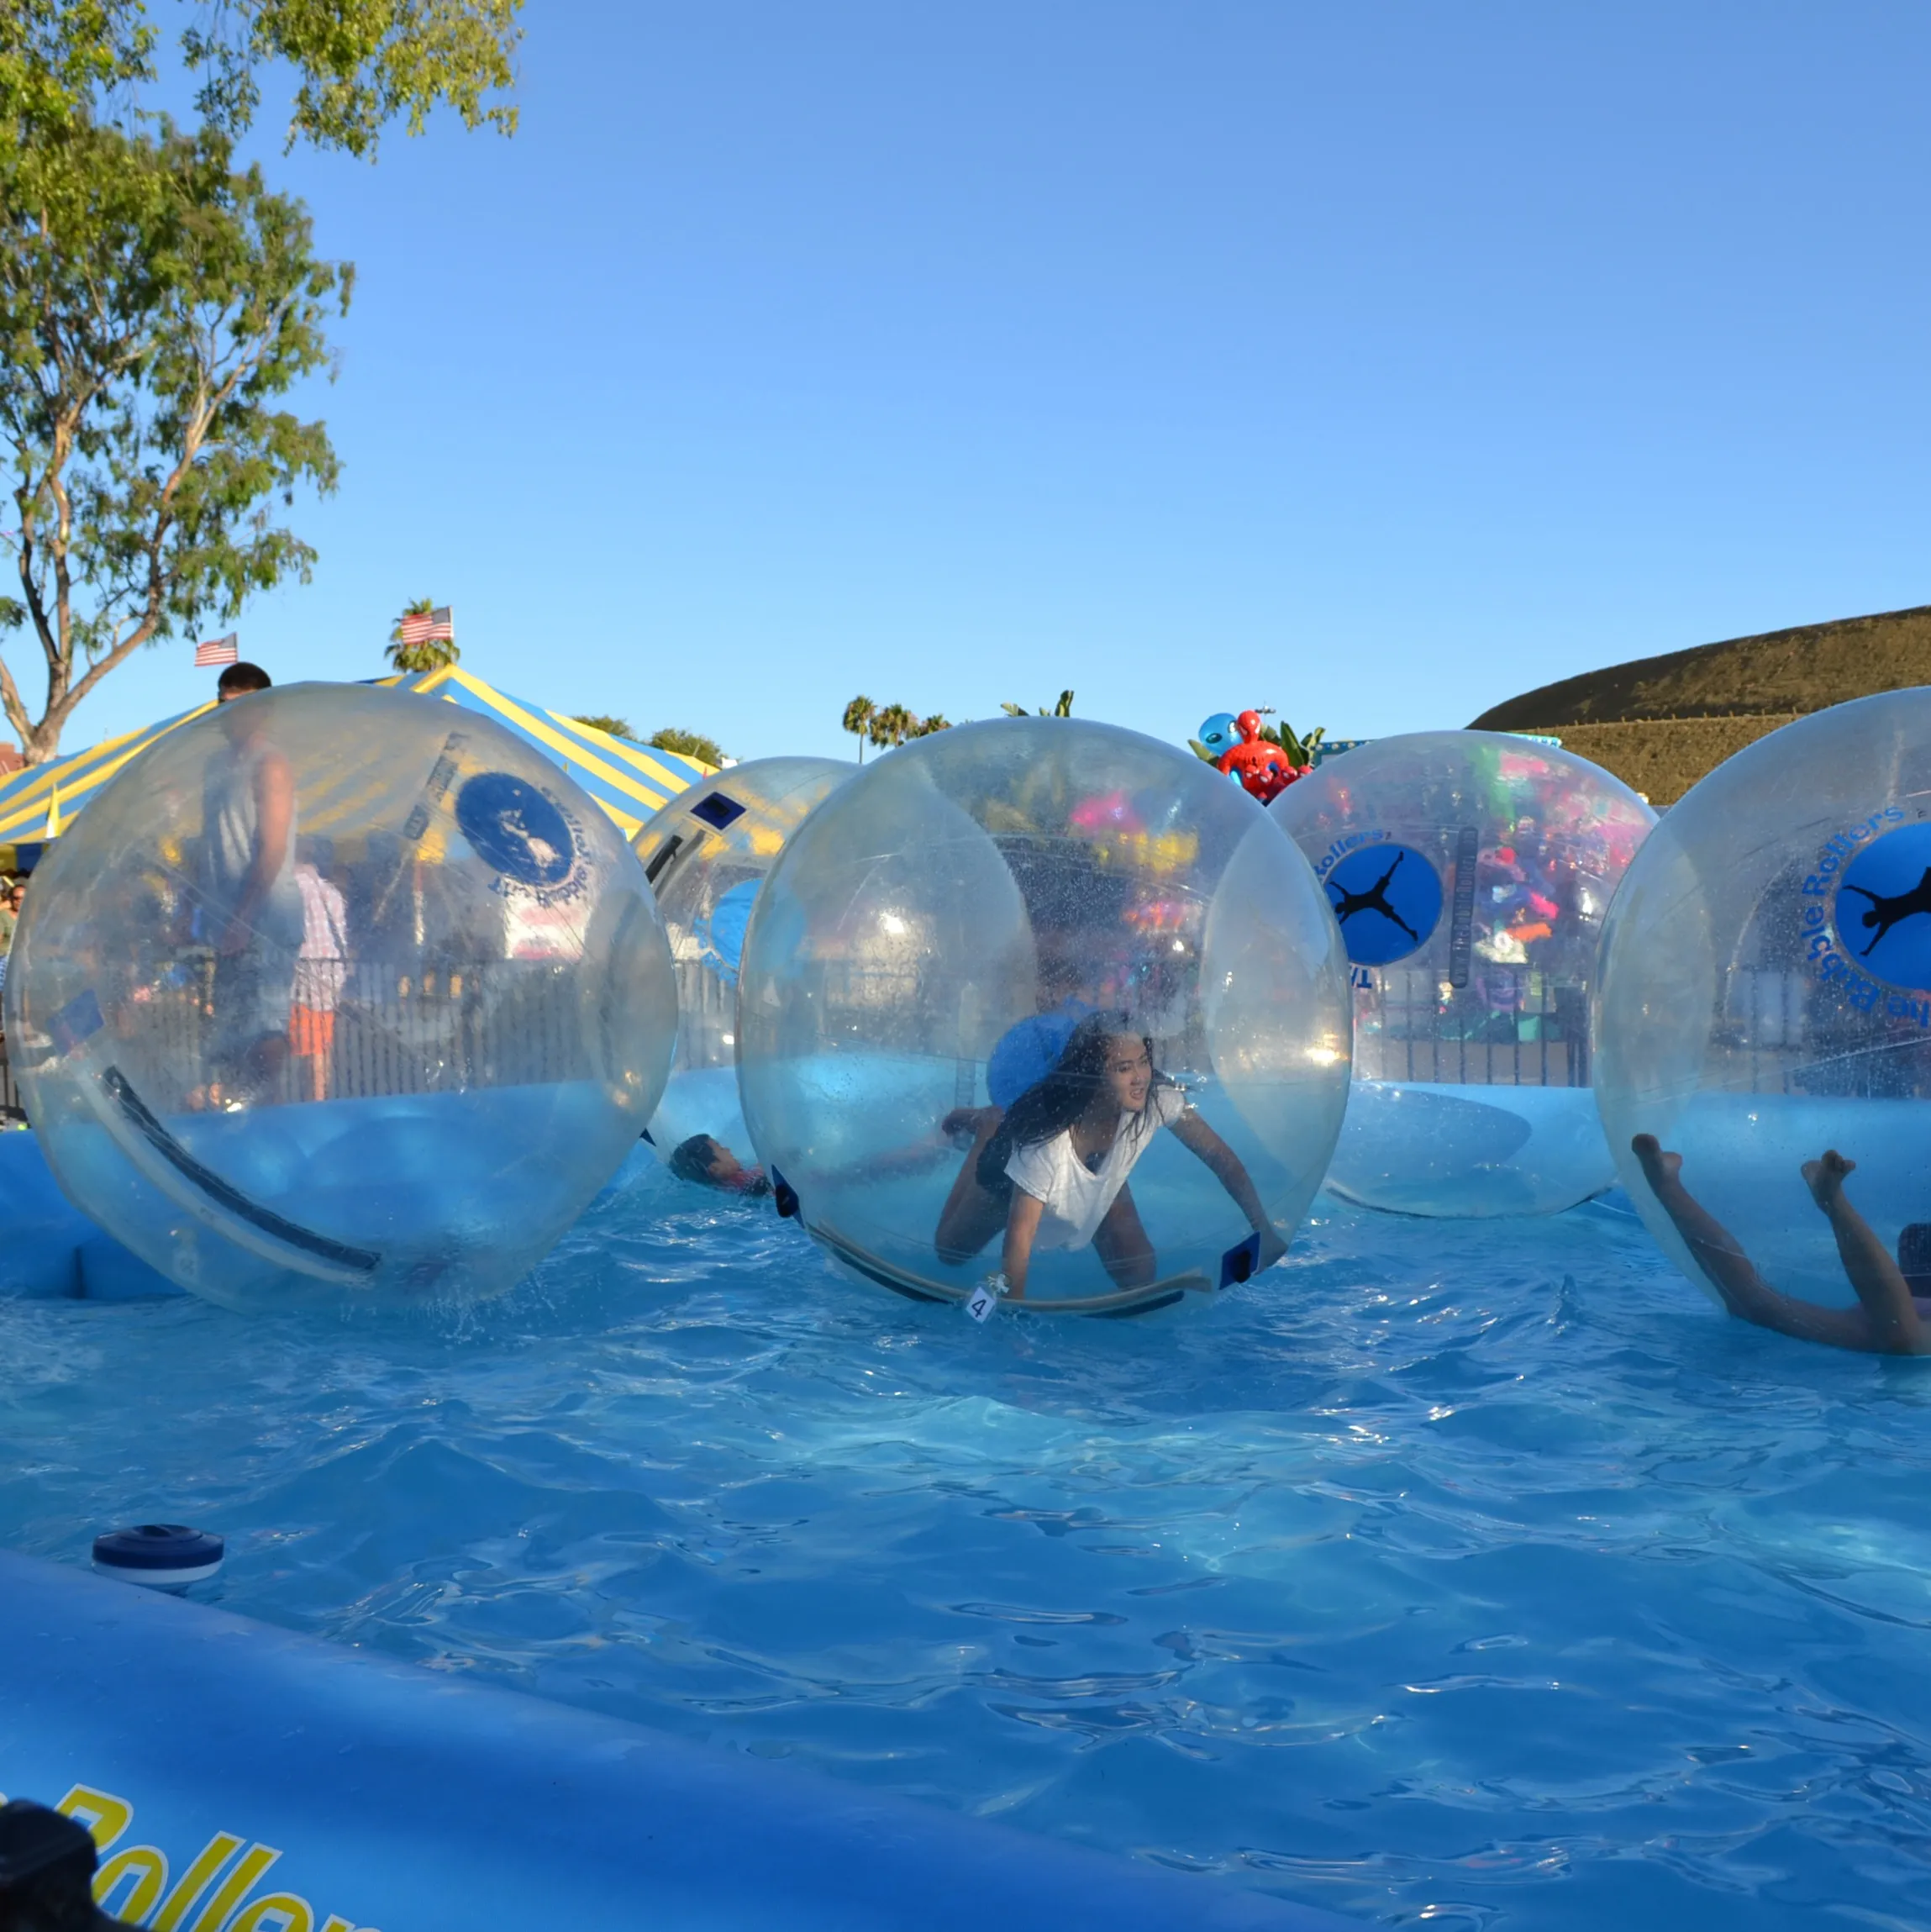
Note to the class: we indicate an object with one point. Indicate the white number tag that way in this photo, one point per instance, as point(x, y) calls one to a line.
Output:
point(982, 1302)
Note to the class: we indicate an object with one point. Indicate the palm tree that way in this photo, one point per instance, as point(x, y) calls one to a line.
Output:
point(414, 657)
point(937, 721)
point(858, 716)
point(892, 725)
point(1063, 708)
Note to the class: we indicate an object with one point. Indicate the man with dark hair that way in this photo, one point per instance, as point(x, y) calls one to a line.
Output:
point(251, 904)
point(239, 680)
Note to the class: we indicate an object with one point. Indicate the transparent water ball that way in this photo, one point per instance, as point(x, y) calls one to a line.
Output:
point(1469, 872)
point(339, 994)
point(706, 854)
point(929, 941)
point(1765, 997)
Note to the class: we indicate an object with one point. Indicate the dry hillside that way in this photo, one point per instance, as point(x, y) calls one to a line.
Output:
point(1661, 723)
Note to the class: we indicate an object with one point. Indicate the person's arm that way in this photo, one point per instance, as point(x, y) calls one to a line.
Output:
point(1022, 1228)
point(1200, 1140)
point(971, 1216)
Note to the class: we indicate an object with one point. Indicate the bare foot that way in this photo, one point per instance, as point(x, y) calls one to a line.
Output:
point(1660, 1167)
point(1825, 1178)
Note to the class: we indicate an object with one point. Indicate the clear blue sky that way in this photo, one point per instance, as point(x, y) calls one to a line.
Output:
point(1372, 361)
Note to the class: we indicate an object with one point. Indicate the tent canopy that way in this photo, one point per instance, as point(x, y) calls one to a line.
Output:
point(630, 781)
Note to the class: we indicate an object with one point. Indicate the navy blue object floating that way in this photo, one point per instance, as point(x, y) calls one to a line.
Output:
point(1239, 1263)
point(163, 1555)
point(718, 809)
point(784, 1197)
point(1388, 899)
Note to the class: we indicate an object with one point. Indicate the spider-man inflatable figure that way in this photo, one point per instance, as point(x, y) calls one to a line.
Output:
point(1262, 768)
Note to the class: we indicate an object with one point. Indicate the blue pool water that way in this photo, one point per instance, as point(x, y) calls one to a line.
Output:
point(1471, 1574)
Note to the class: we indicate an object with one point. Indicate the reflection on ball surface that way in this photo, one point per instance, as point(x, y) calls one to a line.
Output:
point(1469, 872)
point(925, 952)
point(340, 993)
point(1765, 998)
point(706, 854)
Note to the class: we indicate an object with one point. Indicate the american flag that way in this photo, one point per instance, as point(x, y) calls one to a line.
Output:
point(219, 650)
point(426, 627)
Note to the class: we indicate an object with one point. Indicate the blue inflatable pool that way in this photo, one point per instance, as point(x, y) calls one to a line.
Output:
point(52, 1249)
point(241, 1779)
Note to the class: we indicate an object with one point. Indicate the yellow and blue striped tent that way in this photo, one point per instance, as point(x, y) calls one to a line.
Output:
point(630, 781)
point(37, 802)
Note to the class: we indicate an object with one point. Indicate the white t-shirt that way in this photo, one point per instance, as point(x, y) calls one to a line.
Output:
point(1077, 1196)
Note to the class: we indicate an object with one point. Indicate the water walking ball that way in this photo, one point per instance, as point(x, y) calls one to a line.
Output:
point(1765, 998)
point(931, 939)
point(1469, 872)
point(706, 854)
point(340, 993)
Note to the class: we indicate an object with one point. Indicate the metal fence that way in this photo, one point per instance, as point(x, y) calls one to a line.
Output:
point(394, 1029)
point(1514, 1027)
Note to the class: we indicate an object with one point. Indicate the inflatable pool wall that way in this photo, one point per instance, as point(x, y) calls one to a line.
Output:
point(52, 1251)
point(238, 1778)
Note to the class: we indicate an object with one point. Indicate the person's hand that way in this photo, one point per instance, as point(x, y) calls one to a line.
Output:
point(235, 938)
point(962, 1120)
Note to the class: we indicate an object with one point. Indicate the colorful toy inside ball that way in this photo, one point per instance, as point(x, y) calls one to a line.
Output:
point(706, 854)
point(1763, 1026)
point(1043, 962)
point(339, 992)
point(1470, 872)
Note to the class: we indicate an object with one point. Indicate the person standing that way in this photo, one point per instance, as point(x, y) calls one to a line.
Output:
point(251, 903)
point(321, 971)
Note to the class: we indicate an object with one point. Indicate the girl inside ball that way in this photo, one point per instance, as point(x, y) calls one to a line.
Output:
point(1061, 1157)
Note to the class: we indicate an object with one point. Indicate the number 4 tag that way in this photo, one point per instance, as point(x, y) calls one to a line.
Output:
point(981, 1303)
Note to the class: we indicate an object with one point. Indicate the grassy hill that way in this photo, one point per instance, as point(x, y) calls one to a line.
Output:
point(1661, 723)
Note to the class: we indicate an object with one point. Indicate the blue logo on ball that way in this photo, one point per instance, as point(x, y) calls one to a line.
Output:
point(1387, 898)
point(515, 829)
point(1884, 908)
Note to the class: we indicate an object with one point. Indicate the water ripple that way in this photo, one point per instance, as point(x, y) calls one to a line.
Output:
point(1456, 1575)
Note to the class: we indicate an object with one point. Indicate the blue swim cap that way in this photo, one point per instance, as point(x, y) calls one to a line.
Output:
point(1028, 1052)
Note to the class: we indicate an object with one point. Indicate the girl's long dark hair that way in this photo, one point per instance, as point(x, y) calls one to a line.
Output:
point(1051, 1106)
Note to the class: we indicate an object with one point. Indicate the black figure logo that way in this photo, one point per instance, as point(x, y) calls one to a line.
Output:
point(1889, 909)
point(1376, 900)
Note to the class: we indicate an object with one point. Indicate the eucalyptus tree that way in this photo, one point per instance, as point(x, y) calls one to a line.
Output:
point(158, 301)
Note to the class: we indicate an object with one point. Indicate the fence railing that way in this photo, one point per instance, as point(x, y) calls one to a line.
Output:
point(1512, 1026)
point(392, 1029)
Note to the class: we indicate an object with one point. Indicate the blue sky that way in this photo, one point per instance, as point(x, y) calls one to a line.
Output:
point(1372, 361)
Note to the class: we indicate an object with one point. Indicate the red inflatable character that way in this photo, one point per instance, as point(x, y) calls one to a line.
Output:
point(1261, 767)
